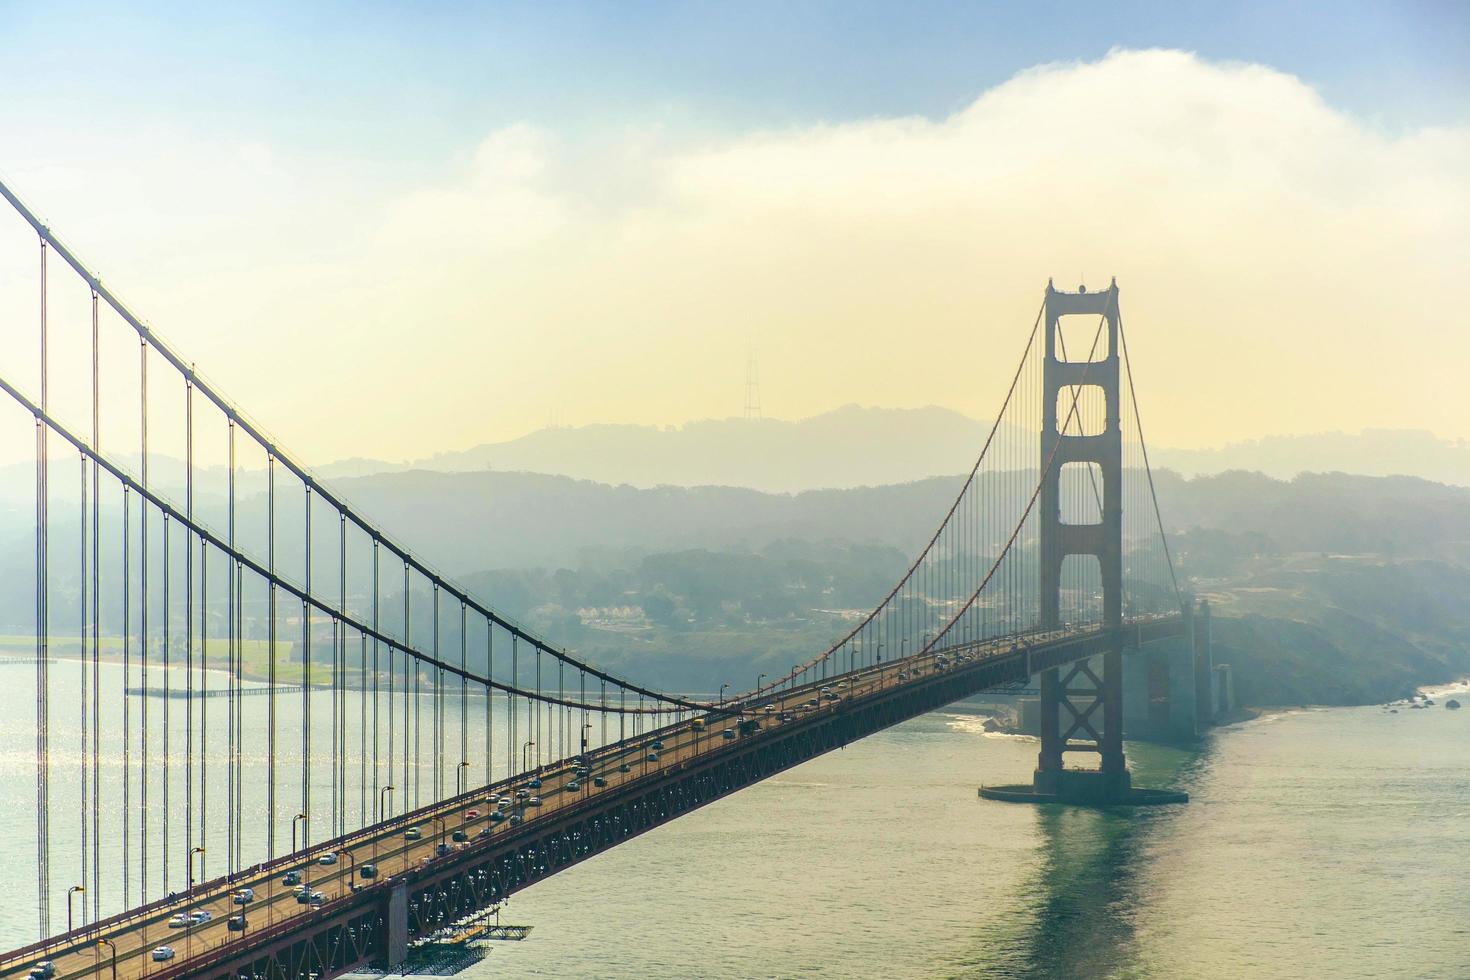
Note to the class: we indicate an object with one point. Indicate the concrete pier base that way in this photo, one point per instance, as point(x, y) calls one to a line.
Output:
point(1082, 787)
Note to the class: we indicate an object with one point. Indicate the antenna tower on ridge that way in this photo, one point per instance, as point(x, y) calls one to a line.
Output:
point(752, 386)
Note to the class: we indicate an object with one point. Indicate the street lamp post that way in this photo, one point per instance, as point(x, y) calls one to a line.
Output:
point(440, 820)
point(113, 948)
point(200, 851)
point(301, 819)
point(351, 868)
point(459, 778)
point(526, 755)
point(722, 693)
point(381, 794)
point(73, 890)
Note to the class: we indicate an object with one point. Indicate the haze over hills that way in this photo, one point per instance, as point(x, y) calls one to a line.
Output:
point(861, 446)
point(1372, 452)
point(848, 447)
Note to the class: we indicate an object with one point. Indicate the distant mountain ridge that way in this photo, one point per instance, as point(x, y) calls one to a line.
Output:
point(1372, 452)
point(856, 446)
point(848, 447)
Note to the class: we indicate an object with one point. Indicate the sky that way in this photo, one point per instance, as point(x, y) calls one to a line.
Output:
point(393, 230)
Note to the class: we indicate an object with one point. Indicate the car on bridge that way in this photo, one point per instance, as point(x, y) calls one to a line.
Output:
point(368, 871)
point(327, 859)
point(244, 896)
point(573, 786)
point(291, 878)
point(162, 954)
point(236, 923)
point(413, 833)
point(599, 782)
point(472, 814)
point(534, 801)
point(43, 970)
point(625, 768)
point(697, 724)
point(728, 734)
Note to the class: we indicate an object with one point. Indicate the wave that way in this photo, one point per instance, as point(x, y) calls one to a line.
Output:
point(975, 725)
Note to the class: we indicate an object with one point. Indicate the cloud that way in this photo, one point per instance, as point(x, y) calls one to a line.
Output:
point(1285, 266)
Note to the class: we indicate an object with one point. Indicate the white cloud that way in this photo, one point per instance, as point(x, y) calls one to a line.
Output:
point(1285, 266)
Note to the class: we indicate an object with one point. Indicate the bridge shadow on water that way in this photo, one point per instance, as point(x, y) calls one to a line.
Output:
point(1087, 887)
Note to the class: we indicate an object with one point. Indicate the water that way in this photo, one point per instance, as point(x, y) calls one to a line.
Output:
point(1332, 843)
point(1317, 843)
point(365, 769)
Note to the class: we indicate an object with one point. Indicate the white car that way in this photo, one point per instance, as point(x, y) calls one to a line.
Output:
point(162, 954)
point(200, 916)
point(328, 858)
point(180, 921)
point(245, 896)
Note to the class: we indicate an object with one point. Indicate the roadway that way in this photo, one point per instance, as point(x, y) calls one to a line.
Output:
point(385, 846)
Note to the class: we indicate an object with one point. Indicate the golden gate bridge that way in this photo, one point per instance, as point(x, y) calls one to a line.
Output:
point(392, 754)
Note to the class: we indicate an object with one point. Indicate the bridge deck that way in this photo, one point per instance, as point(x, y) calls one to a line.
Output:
point(275, 915)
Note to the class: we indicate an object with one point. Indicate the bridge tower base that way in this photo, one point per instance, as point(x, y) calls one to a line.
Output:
point(1082, 703)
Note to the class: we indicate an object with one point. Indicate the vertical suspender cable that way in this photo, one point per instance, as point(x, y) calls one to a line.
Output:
point(143, 638)
point(464, 685)
point(127, 679)
point(490, 698)
point(203, 702)
point(407, 644)
point(189, 631)
point(362, 727)
point(82, 756)
point(43, 653)
point(163, 839)
point(376, 627)
point(232, 759)
point(510, 707)
point(96, 632)
point(340, 692)
point(306, 680)
point(438, 717)
point(270, 670)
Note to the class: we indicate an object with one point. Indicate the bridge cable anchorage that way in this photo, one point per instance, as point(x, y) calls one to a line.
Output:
point(1031, 502)
point(1148, 469)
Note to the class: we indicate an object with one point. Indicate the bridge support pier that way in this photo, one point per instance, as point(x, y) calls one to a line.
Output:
point(1082, 702)
point(397, 921)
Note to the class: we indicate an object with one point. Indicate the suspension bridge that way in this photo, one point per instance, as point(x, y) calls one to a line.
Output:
point(271, 741)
